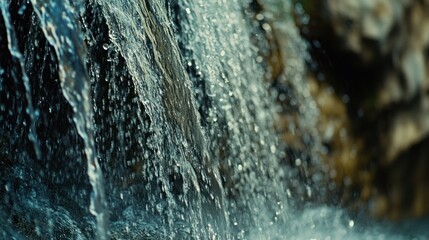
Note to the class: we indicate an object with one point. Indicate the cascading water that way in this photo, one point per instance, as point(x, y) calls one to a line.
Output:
point(146, 120)
point(162, 162)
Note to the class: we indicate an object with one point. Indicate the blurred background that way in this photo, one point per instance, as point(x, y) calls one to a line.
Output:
point(369, 75)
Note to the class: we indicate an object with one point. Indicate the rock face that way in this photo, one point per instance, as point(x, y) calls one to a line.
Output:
point(371, 68)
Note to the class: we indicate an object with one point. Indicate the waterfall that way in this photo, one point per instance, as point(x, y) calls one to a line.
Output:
point(150, 119)
point(175, 124)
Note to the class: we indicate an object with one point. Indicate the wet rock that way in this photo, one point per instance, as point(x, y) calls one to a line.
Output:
point(341, 147)
point(402, 185)
point(358, 21)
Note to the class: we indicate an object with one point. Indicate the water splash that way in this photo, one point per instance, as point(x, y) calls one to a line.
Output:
point(238, 112)
point(169, 105)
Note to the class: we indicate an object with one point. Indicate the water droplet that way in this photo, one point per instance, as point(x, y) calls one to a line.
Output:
point(159, 207)
point(266, 27)
point(22, 9)
point(259, 17)
point(346, 98)
point(273, 149)
point(309, 192)
point(7, 187)
point(317, 44)
point(36, 113)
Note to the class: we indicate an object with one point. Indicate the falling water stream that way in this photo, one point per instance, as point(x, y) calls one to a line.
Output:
point(150, 119)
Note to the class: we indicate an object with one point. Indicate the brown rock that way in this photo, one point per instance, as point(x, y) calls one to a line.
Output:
point(375, 52)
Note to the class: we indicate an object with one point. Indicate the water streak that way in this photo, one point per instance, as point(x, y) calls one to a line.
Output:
point(63, 33)
point(14, 51)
